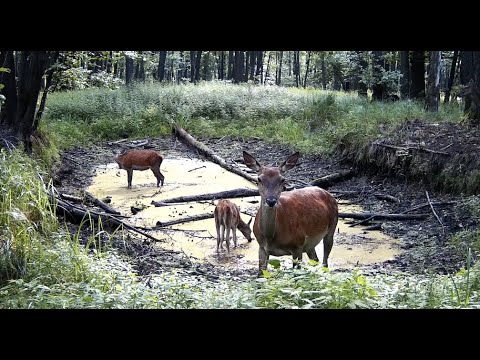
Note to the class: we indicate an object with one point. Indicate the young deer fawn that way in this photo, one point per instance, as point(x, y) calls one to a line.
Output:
point(227, 217)
point(140, 160)
point(291, 222)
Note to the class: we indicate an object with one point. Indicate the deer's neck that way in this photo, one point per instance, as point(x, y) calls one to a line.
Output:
point(268, 223)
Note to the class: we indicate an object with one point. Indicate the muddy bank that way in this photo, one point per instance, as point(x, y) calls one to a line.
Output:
point(423, 243)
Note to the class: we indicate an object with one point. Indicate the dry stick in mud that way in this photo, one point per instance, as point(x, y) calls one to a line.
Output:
point(434, 213)
point(78, 215)
point(100, 204)
point(411, 147)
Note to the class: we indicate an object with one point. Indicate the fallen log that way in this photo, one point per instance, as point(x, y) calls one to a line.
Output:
point(408, 148)
point(374, 227)
point(228, 194)
point(208, 153)
point(100, 204)
point(160, 224)
point(387, 197)
point(328, 180)
point(81, 216)
point(72, 198)
point(383, 216)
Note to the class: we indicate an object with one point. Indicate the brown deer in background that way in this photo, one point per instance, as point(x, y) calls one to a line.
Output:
point(140, 160)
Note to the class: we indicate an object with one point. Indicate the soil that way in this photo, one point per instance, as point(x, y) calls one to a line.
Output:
point(425, 242)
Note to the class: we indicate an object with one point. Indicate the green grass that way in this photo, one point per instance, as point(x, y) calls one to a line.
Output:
point(314, 121)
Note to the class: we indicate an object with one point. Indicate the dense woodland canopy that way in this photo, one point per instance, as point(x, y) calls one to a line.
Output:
point(428, 76)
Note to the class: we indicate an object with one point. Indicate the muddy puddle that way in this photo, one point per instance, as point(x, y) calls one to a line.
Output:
point(183, 176)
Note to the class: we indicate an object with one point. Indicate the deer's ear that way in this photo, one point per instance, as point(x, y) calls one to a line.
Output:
point(251, 162)
point(290, 162)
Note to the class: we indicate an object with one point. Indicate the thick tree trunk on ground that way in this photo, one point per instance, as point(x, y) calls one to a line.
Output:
point(228, 194)
point(451, 78)
point(432, 99)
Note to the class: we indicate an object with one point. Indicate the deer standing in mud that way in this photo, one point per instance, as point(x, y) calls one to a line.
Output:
point(140, 160)
point(227, 217)
point(291, 222)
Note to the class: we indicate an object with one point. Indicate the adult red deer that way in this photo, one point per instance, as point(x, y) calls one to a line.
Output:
point(140, 160)
point(291, 222)
point(227, 217)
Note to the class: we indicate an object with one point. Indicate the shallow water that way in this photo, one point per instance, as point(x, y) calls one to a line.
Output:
point(183, 176)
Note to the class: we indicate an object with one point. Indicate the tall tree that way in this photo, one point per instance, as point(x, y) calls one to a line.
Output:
point(378, 88)
point(221, 67)
point(278, 77)
point(259, 71)
point(472, 89)
point(296, 67)
point(324, 71)
point(230, 65)
point(7, 78)
point(451, 77)
point(309, 54)
point(238, 69)
point(198, 58)
point(432, 98)
point(162, 56)
point(363, 65)
point(466, 74)
point(267, 71)
point(128, 69)
point(405, 71)
point(417, 87)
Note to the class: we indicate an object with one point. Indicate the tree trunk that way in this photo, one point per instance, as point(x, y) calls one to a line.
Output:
point(9, 108)
point(417, 89)
point(161, 65)
point(141, 72)
point(198, 58)
point(253, 58)
point(405, 70)
point(230, 65)
point(278, 78)
point(109, 62)
point(238, 68)
point(466, 73)
point(451, 78)
point(32, 65)
point(247, 66)
point(324, 72)
point(128, 70)
point(221, 67)
point(267, 72)
point(362, 86)
point(259, 71)
point(38, 116)
point(192, 67)
point(306, 70)
point(137, 66)
point(432, 99)
point(378, 88)
point(296, 67)
point(472, 91)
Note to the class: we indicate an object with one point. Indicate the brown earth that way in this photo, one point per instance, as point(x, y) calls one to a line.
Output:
point(425, 242)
